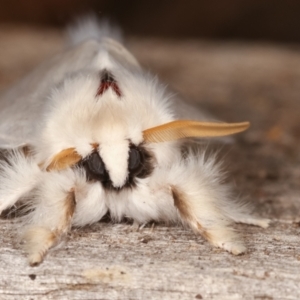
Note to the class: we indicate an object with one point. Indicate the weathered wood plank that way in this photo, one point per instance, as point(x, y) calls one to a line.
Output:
point(109, 261)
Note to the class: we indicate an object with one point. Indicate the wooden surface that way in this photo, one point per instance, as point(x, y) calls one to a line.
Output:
point(236, 82)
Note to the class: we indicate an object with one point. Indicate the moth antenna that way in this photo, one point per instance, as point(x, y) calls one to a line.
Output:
point(64, 159)
point(108, 81)
point(186, 129)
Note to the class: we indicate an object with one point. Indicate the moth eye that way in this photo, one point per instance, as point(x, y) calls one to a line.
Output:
point(95, 164)
point(95, 168)
point(134, 161)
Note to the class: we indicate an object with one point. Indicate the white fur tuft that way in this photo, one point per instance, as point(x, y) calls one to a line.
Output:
point(18, 176)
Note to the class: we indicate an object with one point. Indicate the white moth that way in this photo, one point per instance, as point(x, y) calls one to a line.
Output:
point(89, 132)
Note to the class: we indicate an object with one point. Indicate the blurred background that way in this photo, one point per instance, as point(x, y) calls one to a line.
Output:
point(271, 20)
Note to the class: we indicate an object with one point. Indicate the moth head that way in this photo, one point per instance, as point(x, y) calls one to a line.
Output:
point(138, 162)
point(116, 125)
point(98, 119)
point(101, 165)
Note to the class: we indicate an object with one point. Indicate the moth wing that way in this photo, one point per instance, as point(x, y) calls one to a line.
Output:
point(23, 105)
point(121, 54)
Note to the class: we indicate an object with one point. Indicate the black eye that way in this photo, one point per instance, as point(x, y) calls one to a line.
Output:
point(95, 167)
point(95, 164)
point(134, 161)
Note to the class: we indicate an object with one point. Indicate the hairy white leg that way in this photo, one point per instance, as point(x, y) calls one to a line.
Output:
point(19, 174)
point(51, 219)
point(204, 218)
point(90, 202)
point(205, 203)
point(248, 219)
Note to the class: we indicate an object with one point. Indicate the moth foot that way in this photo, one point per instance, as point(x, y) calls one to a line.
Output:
point(261, 222)
point(35, 259)
point(235, 248)
point(37, 243)
point(226, 239)
point(135, 226)
point(264, 223)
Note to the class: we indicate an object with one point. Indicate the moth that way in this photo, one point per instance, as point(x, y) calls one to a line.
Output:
point(90, 132)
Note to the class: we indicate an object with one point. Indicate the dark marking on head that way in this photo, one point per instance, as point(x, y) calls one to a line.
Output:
point(146, 164)
point(94, 168)
point(140, 165)
point(108, 81)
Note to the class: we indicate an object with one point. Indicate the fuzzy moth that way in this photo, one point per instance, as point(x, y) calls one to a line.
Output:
point(90, 132)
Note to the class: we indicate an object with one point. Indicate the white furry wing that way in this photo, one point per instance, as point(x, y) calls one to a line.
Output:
point(23, 106)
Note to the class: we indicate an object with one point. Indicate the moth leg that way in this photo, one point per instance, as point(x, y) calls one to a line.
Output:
point(90, 202)
point(206, 219)
point(39, 239)
point(135, 226)
point(248, 219)
point(51, 218)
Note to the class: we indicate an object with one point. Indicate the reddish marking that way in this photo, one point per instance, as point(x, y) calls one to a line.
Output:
point(116, 88)
point(108, 81)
